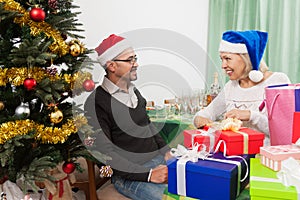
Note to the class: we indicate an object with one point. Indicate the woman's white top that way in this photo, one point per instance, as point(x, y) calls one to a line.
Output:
point(235, 97)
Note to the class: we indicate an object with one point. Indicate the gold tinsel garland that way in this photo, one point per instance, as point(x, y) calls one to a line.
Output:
point(47, 135)
point(77, 79)
point(58, 46)
point(16, 76)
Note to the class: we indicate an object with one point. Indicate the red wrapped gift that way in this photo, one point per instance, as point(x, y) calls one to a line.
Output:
point(243, 141)
point(209, 138)
point(296, 127)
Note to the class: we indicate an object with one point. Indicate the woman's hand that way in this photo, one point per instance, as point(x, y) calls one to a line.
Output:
point(201, 121)
point(243, 115)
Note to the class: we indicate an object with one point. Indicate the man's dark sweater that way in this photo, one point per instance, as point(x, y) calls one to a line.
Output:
point(131, 139)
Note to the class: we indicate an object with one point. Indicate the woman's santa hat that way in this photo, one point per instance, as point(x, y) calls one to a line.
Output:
point(110, 48)
point(252, 42)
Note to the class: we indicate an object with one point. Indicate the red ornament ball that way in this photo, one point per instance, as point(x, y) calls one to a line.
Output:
point(37, 14)
point(68, 167)
point(88, 85)
point(29, 83)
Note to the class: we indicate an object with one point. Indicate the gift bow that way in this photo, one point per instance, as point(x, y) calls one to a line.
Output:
point(289, 175)
point(193, 154)
point(231, 124)
point(184, 155)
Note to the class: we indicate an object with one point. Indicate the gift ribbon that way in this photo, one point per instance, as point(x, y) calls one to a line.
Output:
point(238, 164)
point(60, 186)
point(289, 175)
point(245, 140)
point(209, 133)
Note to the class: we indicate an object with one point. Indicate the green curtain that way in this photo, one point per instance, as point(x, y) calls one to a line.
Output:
point(280, 18)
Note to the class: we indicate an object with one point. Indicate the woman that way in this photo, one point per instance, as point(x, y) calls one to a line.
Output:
point(241, 53)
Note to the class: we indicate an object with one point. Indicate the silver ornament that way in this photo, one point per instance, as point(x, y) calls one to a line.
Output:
point(22, 110)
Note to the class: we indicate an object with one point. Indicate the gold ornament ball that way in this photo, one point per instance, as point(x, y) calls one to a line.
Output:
point(1, 105)
point(56, 116)
point(75, 49)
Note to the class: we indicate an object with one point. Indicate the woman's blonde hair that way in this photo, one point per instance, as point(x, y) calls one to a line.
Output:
point(246, 58)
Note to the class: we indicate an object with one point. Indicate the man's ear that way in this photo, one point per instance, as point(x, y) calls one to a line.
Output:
point(110, 66)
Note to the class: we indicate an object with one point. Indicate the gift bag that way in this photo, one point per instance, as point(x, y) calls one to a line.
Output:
point(281, 102)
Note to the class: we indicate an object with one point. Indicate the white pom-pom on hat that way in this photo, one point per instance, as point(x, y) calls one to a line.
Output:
point(256, 76)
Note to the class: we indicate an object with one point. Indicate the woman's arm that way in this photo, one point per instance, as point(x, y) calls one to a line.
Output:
point(212, 112)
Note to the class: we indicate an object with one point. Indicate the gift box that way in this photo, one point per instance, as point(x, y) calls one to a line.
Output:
point(169, 196)
point(244, 141)
point(264, 184)
point(208, 138)
point(296, 127)
point(215, 178)
point(271, 156)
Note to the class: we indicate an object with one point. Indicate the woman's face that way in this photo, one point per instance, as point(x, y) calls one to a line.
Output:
point(233, 65)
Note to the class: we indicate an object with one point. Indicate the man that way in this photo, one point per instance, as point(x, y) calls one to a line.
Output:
point(137, 150)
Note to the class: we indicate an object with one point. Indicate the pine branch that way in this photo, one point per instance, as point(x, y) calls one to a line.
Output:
point(38, 170)
point(50, 91)
point(7, 150)
point(32, 52)
point(6, 14)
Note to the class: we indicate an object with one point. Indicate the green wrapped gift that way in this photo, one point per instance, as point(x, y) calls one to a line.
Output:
point(169, 196)
point(264, 184)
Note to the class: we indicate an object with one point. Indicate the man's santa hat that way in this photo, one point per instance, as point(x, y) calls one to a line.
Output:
point(252, 42)
point(110, 48)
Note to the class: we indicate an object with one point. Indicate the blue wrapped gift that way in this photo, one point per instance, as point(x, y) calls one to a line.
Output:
point(216, 178)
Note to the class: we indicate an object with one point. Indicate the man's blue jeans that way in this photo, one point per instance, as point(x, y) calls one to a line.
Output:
point(138, 190)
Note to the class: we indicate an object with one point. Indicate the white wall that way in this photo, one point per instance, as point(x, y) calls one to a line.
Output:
point(169, 36)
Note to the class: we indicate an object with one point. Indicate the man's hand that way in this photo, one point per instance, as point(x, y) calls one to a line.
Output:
point(168, 156)
point(159, 174)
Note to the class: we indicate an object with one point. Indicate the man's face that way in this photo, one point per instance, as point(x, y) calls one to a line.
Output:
point(126, 65)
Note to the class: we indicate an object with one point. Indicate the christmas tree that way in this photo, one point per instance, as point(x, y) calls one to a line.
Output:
point(41, 69)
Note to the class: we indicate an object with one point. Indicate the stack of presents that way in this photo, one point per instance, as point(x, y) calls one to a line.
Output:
point(219, 163)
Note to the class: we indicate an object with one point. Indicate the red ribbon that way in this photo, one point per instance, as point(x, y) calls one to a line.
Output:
point(61, 188)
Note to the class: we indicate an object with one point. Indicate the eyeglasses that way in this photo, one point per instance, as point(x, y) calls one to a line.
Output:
point(131, 60)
